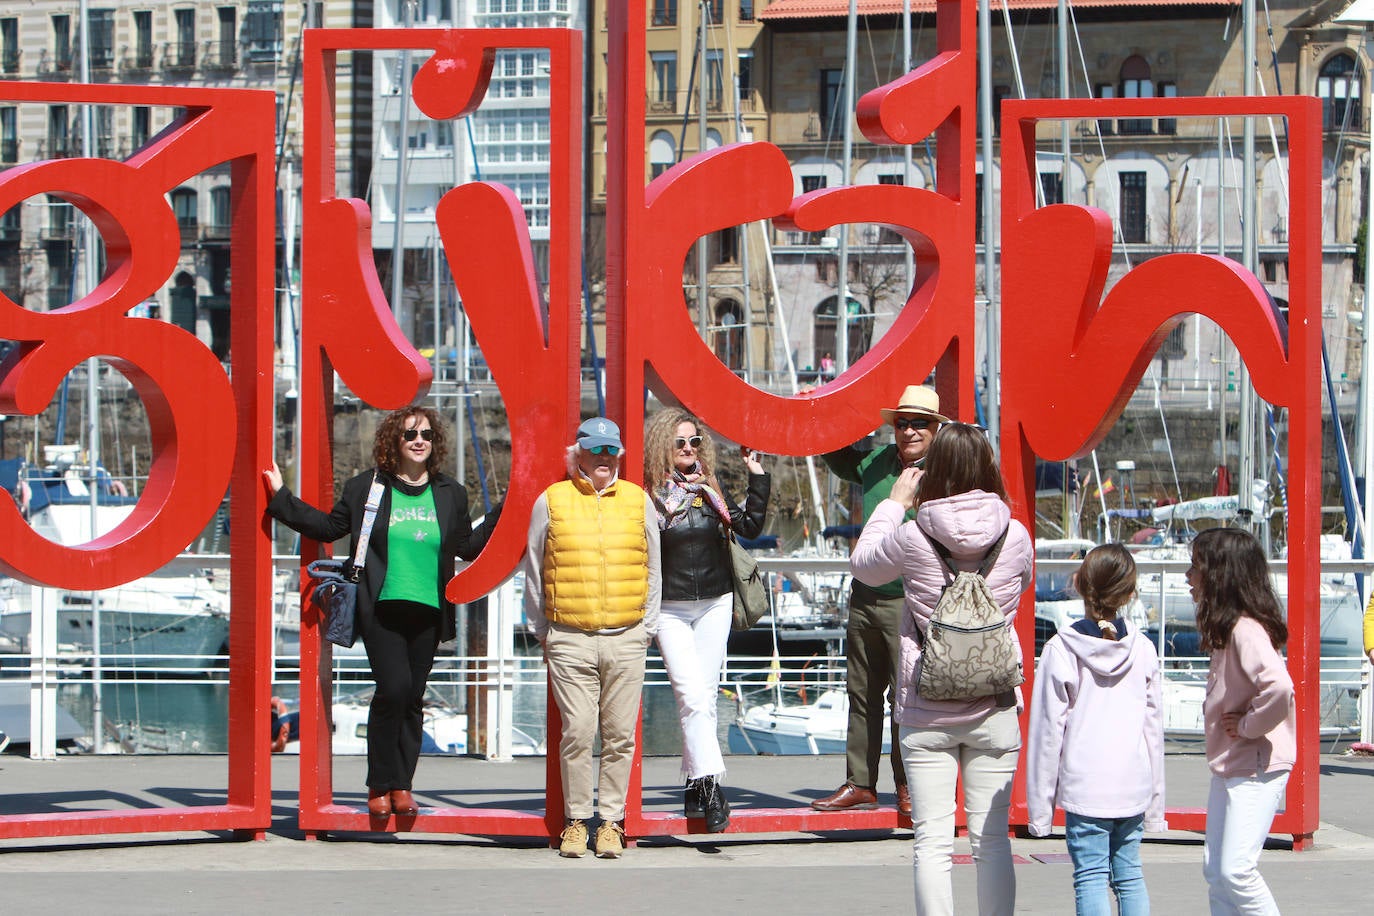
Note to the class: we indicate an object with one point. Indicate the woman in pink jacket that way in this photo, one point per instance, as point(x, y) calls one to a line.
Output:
point(960, 502)
point(1097, 740)
point(1248, 714)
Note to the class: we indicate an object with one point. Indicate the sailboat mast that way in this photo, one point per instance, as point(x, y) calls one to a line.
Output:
point(703, 294)
point(87, 283)
point(846, 164)
point(992, 348)
point(398, 227)
point(1248, 260)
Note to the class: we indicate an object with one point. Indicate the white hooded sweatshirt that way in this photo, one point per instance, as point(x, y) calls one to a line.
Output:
point(1096, 730)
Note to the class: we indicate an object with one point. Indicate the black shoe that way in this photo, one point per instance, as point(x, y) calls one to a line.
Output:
point(691, 799)
point(717, 809)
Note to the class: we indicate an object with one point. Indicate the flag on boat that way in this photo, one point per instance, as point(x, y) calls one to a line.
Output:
point(1105, 487)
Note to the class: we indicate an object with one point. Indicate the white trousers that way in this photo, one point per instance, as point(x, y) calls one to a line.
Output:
point(984, 754)
point(691, 639)
point(1240, 811)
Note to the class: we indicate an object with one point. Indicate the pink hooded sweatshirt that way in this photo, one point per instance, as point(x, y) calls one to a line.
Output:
point(1096, 731)
point(967, 524)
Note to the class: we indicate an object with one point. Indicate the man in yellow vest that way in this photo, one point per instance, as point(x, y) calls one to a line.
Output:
point(592, 588)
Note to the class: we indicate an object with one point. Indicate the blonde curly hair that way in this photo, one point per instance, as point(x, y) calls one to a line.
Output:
point(659, 433)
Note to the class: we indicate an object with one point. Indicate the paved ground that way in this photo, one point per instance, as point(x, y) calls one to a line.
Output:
point(796, 873)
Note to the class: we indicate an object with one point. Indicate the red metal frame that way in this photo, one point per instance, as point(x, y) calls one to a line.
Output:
point(181, 385)
point(1099, 347)
point(344, 310)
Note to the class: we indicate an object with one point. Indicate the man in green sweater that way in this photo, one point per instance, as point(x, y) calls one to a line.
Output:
point(875, 614)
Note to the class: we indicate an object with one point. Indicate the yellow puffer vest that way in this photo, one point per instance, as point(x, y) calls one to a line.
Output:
point(596, 557)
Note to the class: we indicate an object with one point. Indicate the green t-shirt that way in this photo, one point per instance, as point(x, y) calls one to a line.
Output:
point(412, 550)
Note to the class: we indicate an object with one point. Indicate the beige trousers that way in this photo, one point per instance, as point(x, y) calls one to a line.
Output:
point(596, 680)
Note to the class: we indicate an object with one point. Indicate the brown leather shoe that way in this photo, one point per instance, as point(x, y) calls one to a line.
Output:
point(903, 799)
point(847, 797)
point(379, 803)
point(402, 802)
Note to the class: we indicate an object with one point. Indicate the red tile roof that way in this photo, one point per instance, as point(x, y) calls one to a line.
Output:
point(828, 9)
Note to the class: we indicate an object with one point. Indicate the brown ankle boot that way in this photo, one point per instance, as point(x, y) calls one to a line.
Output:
point(379, 803)
point(402, 802)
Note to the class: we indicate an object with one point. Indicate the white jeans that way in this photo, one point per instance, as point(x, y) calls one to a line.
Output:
point(984, 753)
point(691, 639)
point(1240, 811)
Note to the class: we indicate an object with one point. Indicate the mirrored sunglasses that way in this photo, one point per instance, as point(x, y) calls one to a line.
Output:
point(425, 434)
point(904, 423)
point(605, 450)
point(694, 442)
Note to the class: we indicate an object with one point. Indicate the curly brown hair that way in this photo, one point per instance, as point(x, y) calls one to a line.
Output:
point(386, 447)
point(659, 433)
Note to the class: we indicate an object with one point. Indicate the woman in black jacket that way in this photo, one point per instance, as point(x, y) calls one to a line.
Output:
point(695, 522)
point(422, 524)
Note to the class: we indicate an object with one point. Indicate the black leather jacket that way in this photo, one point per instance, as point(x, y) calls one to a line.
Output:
point(696, 556)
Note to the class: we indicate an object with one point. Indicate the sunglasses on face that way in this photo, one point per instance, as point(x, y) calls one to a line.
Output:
point(425, 434)
point(905, 423)
point(694, 442)
point(605, 450)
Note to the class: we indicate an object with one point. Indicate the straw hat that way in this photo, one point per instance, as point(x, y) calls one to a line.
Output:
point(920, 400)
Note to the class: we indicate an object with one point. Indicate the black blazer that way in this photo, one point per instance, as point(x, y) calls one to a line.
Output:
point(696, 554)
point(346, 518)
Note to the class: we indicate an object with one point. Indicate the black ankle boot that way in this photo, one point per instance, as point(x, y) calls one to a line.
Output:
point(717, 809)
point(691, 799)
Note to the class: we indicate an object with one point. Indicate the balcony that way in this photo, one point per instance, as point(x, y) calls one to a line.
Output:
point(9, 151)
point(179, 55)
point(662, 106)
point(140, 61)
point(220, 56)
point(214, 232)
point(9, 61)
point(55, 148)
point(58, 65)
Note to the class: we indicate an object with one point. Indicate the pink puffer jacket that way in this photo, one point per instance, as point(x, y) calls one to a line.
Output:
point(968, 525)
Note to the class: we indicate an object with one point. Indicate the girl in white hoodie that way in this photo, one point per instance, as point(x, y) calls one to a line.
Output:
point(1097, 740)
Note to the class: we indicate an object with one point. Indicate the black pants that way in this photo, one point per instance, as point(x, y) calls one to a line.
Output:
point(400, 644)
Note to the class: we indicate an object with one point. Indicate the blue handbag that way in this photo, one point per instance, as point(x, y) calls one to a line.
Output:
point(335, 589)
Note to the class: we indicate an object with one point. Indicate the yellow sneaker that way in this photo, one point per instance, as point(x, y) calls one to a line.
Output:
point(574, 840)
point(610, 841)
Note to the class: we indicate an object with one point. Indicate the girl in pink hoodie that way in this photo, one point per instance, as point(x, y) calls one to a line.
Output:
point(1248, 713)
point(1097, 740)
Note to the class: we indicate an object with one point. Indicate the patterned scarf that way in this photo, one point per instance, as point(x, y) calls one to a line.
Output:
point(677, 494)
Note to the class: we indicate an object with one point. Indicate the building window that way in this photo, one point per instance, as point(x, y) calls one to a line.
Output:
point(662, 152)
point(9, 45)
point(664, 90)
point(262, 29)
point(1133, 222)
point(1168, 125)
point(103, 118)
point(998, 94)
point(715, 80)
point(140, 128)
point(978, 208)
point(143, 39)
point(61, 216)
point(887, 236)
point(185, 51)
point(1105, 126)
point(727, 245)
point(59, 132)
point(665, 12)
point(831, 81)
point(185, 207)
point(729, 334)
point(860, 328)
point(1136, 84)
point(220, 217)
point(227, 42)
point(102, 39)
point(745, 70)
point(9, 134)
point(1052, 188)
point(746, 10)
point(1338, 86)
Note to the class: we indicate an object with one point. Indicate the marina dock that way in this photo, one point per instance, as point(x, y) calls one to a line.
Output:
point(796, 873)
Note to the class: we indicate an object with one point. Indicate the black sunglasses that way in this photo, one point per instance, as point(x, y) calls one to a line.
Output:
point(912, 423)
point(425, 434)
point(694, 442)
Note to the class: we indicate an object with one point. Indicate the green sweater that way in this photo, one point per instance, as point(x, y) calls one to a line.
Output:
point(875, 471)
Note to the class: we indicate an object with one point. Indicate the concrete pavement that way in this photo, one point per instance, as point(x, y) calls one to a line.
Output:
point(796, 873)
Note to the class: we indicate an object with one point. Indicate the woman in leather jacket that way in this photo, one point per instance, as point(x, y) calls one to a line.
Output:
point(696, 521)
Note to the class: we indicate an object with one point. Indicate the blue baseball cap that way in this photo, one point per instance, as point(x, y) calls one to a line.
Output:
point(598, 431)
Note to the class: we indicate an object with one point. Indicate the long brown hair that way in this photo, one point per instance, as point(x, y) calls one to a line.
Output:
point(386, 446)
point(960, 459)
point(659, 434)
point(1106, 580)
point(1231, 581)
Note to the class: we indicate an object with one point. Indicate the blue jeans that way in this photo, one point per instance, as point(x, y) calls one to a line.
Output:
point(1102, 847)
